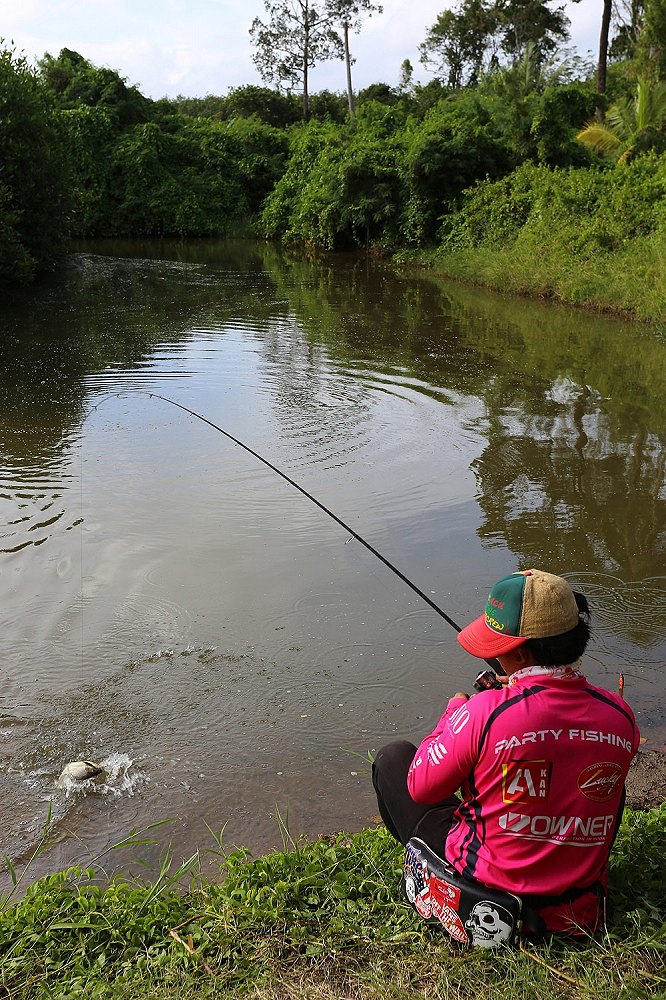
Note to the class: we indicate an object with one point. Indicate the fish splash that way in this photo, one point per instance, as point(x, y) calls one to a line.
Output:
point(121, 778)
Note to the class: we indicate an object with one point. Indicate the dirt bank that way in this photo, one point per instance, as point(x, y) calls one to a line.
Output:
point(646, 782)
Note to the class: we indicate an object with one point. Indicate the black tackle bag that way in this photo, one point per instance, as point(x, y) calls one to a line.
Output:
point(471, 913)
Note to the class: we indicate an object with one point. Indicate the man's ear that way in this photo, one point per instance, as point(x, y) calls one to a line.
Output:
point(523, 657)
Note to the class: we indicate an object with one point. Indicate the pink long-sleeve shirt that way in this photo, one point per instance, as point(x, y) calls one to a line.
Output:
point(541, 766)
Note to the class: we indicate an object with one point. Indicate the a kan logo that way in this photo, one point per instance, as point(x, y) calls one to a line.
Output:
point(526, 781)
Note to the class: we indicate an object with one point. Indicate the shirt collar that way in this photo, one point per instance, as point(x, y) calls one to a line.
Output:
point(571, 672)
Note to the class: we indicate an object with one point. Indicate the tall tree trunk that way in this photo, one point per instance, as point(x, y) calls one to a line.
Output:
point(306, 57)
point(603, 53)
point(350, 92)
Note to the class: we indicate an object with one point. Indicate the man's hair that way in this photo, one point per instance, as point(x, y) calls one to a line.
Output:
point(559, 650)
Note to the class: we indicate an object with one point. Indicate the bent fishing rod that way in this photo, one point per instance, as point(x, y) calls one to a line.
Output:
point(493, 664)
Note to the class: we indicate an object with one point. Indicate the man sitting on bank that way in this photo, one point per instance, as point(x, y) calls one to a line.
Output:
point(540, 763)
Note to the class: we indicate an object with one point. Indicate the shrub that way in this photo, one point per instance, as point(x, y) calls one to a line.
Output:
point(342, 187)
point(586, 210)
point(34, 175)
point(456, 145)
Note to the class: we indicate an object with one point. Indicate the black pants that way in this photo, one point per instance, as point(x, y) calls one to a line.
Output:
point(403, 817)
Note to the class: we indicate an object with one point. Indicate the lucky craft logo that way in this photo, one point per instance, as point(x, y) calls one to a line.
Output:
point(526, 781)
point(600, 782)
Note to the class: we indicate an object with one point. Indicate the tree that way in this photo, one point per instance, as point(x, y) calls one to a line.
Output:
point(628, 19)
point(270, 106)
point(348, 13)
point(457, 43)
point(298, 34)
point(34, 173)
point(406, 76)
point(631, 126)
point(603, 49)
point(328, 106)
point(529, 22)
point(73, 81)
point(467, 40)
point(651, 48)
point(382, 93)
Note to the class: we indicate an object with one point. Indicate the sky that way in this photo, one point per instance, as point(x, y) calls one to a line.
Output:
point(199, 47)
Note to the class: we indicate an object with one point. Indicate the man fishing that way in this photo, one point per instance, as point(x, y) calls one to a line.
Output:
point(540, 764)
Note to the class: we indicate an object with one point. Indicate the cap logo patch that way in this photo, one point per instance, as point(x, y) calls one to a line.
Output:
point(494, 624)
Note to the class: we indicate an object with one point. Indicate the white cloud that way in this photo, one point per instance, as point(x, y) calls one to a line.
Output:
point(203, 46)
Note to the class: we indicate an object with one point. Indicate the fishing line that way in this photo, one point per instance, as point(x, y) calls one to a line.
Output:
point(494, 664)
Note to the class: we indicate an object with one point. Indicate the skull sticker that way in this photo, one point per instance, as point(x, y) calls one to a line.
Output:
point(489, 924)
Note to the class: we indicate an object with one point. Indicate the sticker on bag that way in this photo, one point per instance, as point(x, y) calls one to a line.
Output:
point(469, 912)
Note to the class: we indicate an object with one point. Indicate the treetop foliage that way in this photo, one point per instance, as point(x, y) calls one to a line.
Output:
point(73, 80)
point(86, 154)
point(482, 35)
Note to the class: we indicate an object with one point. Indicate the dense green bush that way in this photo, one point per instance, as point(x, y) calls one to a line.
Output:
point(587, 210)
point(186, 177)
point(391, 177)
point(590, 236)
point(91, 138)
point(259, 153)
point(34, 175)
point(342, 187)
point(557, 116)
point(158, 186)
point(456, 145)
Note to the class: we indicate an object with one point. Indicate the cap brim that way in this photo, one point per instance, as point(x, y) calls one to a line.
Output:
point(484, 642)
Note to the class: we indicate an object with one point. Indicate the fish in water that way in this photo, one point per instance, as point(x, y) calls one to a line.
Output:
point(81, 770)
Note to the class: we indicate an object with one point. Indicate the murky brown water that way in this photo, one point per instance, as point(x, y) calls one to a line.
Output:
point(169, 601)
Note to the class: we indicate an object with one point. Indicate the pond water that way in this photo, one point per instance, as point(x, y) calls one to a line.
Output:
point(174, 608)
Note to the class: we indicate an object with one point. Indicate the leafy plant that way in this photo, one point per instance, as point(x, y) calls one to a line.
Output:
point(329, 909)
point(34, 173)
point(632, 126)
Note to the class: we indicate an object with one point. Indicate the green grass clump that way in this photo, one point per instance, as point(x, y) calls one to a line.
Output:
point(588, 237)
point(321, 921)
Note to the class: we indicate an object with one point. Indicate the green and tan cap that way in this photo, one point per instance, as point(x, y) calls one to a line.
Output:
point(527, 605)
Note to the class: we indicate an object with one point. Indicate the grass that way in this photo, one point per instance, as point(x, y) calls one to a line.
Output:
point(629, 282)
point(322, 920)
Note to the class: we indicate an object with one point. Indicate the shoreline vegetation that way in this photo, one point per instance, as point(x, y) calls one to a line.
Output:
point(519, 176)
point(556, 235)
point(317, 920)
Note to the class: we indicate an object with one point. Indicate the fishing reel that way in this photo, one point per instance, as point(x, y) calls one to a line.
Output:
point(487, 681)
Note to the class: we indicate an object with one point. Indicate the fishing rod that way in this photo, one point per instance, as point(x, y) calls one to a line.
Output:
point(492, 663)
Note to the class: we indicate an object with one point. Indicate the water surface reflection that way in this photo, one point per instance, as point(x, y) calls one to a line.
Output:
point(168, 598)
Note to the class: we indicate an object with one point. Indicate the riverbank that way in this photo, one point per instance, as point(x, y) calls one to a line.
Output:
point(630, 285)
point(646, 781)
point(321, 920)
point(585, 237)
